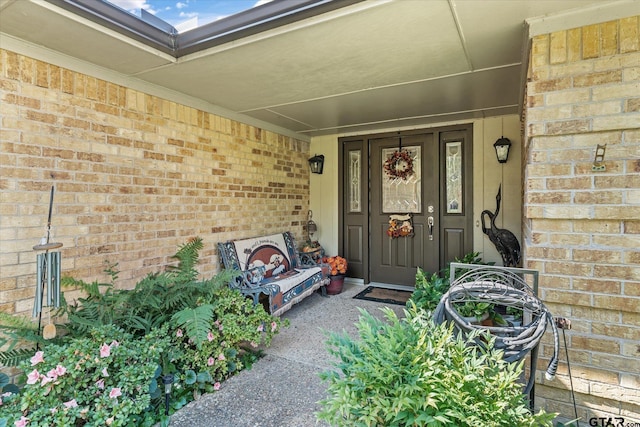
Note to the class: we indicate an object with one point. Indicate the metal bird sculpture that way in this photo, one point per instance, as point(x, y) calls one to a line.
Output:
point(505, 241)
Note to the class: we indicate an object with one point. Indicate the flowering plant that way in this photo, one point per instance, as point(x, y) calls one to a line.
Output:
point(204, 366)
point(103, 379)
point(337, 263)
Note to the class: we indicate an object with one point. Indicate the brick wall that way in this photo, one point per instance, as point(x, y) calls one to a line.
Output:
point(583, 227)
point(135, 176)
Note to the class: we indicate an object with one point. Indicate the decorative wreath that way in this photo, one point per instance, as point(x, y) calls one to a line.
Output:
point(399, 165)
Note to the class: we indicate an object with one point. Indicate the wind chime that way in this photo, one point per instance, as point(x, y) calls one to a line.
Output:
point(48, 277)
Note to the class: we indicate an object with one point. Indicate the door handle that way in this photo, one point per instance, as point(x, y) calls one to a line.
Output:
point(430, 224)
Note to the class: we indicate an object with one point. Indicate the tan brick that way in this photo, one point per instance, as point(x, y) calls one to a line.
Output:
point(569, 183)
point(609, 38)
point(569, 239)
point(597, 109)
point(619, 212)
point(619, 91)
point(590, 42)
point(566, 212)
point(629, 37)
point(617, 331)
point(574, 45)
point(619, 303)
point(551, 85)
point(566, 297)
point(598, 256)
point(558, 47)
point(549, 198)
point(563, 127)
point(596, 344)
point(625, 121)
point(549, 169)
point(598, 78)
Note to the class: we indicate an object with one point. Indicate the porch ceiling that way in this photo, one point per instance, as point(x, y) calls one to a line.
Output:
point(370, 65)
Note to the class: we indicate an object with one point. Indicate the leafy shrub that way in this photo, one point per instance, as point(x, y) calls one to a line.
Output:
point(430, 288)
point(152, 303)
point(229, 346)
point(412, 372)
point(202, 319)
point(104, 378)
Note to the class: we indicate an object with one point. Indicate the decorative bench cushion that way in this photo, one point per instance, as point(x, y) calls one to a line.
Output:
point(270, 252)
point(271, 266)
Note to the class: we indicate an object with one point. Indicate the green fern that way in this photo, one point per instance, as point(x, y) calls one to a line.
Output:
point(15, 356)
point(188, 255)
point(195, 321)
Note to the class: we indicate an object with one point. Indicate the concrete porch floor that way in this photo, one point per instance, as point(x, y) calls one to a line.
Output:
point(282, 389)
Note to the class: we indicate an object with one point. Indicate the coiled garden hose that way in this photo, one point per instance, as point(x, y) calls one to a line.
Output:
point(515, 341)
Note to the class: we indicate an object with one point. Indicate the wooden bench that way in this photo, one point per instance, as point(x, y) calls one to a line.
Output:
point(272, 266)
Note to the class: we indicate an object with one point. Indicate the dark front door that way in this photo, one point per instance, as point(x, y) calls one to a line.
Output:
point(404, 208)
point(412, 214)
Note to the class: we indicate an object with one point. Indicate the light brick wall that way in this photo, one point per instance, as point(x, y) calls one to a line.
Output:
point(583, 227)
point(135, 176)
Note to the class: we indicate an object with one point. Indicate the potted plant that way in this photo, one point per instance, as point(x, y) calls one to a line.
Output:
point(513, 316)
point(338, 269)
point(474, 311)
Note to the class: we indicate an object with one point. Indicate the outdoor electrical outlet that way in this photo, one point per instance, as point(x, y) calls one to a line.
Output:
point(563, 323)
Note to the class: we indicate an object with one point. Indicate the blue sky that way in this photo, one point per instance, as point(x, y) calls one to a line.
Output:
point(177, 12)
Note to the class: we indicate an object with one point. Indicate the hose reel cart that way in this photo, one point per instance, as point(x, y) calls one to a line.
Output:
point(503, 287)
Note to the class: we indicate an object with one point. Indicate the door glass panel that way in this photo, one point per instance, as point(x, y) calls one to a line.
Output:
point(453, 166)
point(355, 168)
point(402, 195)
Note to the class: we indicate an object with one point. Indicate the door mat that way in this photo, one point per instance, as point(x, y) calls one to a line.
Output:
point(389, 296)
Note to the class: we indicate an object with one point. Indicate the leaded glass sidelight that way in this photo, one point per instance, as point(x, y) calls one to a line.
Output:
point(402, 195)
point(355, 185)
point(453, 171)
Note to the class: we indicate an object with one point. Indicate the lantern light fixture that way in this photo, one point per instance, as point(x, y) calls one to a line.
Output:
point(502, 147)
point(316, 163)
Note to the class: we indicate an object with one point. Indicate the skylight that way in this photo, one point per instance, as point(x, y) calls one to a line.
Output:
point(186, 15)
point(181, 27)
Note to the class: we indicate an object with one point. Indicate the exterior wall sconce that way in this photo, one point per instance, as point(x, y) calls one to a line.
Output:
point(502, 147)
point(316, 163)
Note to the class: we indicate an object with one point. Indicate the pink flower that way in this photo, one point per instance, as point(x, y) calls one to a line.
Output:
point(221, 356)
point(210, 336)
point(216, 386)
point(104, 372)
point(22, 422)
point(60, 370)
point(115, 392)
point(71, 404)
point(52, 374)
point(33, 377)
point(46, 380)
point(274, 326)
point(100, 384)
point(114, 343)
point(211, 361)
point(261, 328)
point(37, 358)
point(179, 333)
point(105, 350)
